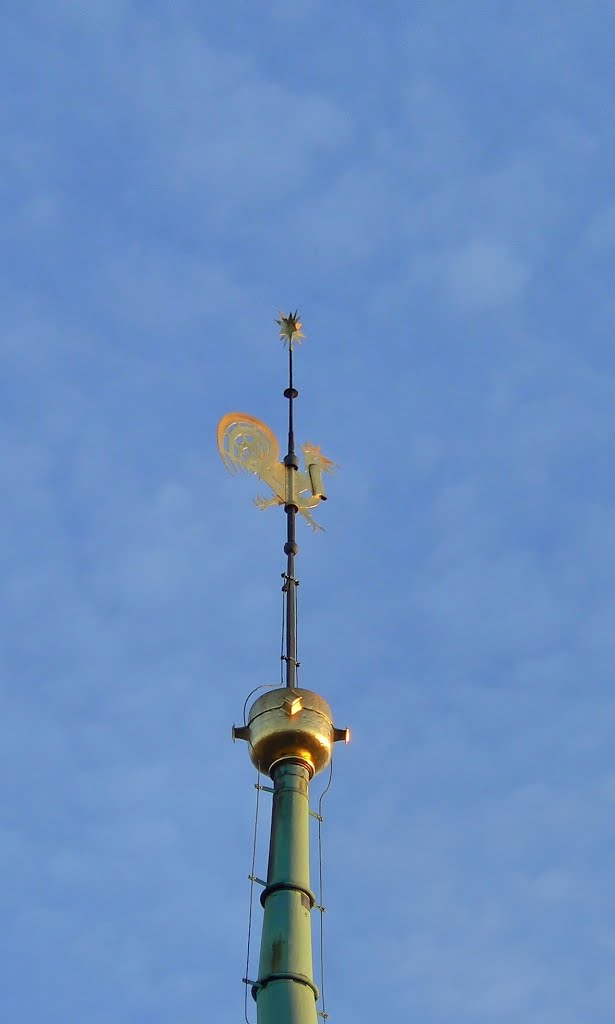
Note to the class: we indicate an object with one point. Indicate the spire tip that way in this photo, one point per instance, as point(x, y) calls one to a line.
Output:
point(290, 328)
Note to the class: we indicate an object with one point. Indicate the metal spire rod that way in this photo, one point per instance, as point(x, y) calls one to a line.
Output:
point(247, 443)
point(290, 548)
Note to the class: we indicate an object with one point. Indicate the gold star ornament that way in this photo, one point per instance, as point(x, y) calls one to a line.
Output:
point(290, 328)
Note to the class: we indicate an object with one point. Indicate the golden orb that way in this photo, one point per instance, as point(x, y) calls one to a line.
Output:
point(290, 723)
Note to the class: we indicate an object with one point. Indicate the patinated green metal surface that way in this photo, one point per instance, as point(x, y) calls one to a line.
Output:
point(285, 991)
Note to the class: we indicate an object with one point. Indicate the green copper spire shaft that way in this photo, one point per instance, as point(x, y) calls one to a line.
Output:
point(285, 991)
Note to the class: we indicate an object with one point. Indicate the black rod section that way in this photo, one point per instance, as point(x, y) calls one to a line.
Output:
point(292, 394)
point(290, 547)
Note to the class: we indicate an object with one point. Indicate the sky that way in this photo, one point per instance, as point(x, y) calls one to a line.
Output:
point(431, 184)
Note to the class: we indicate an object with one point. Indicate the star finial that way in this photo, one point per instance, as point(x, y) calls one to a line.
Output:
point(290, 328)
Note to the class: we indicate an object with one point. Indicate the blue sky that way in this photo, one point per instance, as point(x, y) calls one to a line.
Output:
point(432, 185)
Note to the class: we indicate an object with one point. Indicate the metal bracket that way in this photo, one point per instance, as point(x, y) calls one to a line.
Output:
point(316, 815)
point(259, 881)
point(264, 789)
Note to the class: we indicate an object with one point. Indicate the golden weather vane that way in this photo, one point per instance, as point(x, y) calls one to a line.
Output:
point(246, 443)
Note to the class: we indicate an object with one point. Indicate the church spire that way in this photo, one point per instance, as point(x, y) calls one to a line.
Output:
point(289, 729)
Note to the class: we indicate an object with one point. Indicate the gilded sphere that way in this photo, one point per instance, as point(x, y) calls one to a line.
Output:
point(291, 723)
